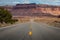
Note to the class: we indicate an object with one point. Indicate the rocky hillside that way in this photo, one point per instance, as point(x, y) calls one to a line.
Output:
point(33, 10)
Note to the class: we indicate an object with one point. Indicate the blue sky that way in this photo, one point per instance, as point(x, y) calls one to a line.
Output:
point(12, 2)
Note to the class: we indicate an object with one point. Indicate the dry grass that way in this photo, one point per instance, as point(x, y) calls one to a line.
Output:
point(50, 21)
point(4, 25)
point(23, 20)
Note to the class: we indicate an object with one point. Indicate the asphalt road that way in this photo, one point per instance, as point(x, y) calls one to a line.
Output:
point(39, 31)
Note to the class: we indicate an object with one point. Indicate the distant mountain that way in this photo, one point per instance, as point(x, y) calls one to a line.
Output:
point(33, 10)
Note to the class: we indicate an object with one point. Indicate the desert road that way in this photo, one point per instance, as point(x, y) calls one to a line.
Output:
point(39, 31)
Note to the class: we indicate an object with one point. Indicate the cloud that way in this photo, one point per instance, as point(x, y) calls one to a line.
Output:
point(26, 1)
point(15, 2)
point(9, 2)
point(51, 2)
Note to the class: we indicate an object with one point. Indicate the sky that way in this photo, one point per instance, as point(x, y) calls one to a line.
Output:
point(13, 2)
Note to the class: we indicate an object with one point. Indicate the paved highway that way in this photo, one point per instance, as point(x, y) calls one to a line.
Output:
point(39, 31)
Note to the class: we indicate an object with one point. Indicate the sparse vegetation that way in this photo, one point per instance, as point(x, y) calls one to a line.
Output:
point(58, 16)
point(50, 21)
point(22, 20)
point(6, 17)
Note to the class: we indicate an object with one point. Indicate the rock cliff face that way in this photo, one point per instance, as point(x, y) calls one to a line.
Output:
point(54, 10)
point(33, 10)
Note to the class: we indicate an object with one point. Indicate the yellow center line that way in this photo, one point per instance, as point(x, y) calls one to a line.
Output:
point(30, 32)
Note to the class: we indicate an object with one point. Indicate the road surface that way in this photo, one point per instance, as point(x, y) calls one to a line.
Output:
point(39, 31)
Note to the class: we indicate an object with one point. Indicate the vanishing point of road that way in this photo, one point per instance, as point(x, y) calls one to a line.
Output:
point(38, 31)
